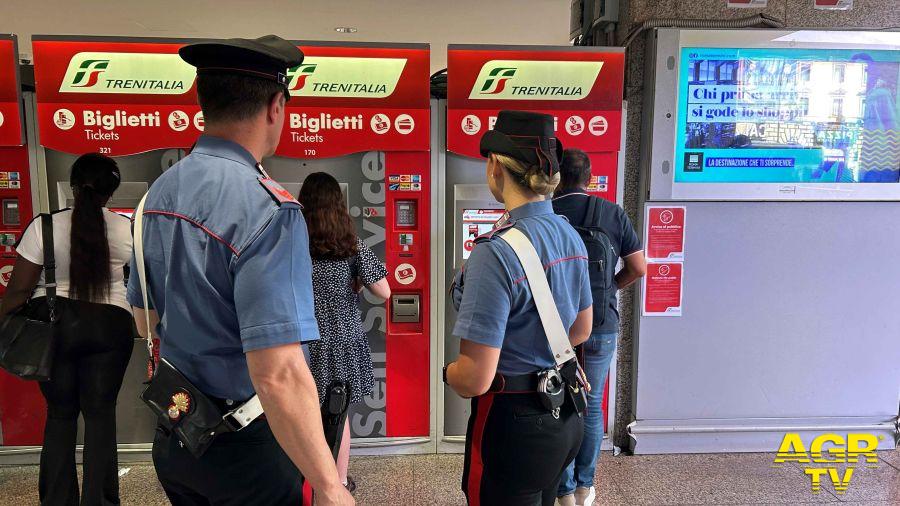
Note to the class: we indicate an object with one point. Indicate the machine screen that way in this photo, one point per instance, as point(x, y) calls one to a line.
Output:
point(477, 222)
point(788, 116)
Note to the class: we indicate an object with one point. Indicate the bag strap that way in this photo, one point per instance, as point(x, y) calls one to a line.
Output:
point(49, 263)
point(590, 217)
point(557, 336)
point(141, 272)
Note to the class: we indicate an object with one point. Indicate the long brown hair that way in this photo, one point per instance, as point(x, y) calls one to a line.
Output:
point(332, 235)
point(94, 179)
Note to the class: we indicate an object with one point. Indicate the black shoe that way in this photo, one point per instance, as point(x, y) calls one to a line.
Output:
point(351, 485)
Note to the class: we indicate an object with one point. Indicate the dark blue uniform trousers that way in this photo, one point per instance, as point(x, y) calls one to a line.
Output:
point(240, 468)
point(516, 450)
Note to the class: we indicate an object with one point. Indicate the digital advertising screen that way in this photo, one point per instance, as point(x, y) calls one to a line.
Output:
point(787, 115)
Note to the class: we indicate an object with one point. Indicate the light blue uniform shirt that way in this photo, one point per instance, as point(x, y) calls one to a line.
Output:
point(495, 305)
point(228, 267)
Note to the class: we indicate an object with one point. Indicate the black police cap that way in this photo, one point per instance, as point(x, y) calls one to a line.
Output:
point(526, 136)
point(267, 57)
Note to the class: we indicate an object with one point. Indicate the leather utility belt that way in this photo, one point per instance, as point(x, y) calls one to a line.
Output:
point(552, 386)
point(181, 407)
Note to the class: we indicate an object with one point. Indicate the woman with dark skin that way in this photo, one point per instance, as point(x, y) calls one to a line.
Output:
point(94, 339)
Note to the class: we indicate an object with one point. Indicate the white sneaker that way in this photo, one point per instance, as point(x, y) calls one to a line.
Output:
point(585, 496)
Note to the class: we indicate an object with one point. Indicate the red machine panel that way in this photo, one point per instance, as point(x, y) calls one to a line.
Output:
point(22, 409)
point(114, 96)
point(353, 98)
point(581, 87)
point(123, 97)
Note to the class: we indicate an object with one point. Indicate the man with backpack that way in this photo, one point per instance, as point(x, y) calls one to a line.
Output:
point(608, 235)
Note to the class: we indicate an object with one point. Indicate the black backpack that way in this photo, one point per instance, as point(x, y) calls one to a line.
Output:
point(602, 260)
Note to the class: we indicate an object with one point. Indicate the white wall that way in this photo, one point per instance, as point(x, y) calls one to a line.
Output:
point(434, 21)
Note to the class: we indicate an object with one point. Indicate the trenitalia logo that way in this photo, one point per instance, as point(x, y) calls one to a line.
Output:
point(89, 72)
point(535, 80)
point(333, 76)
point(298, 75)
point(497, 80)
point(128, 74)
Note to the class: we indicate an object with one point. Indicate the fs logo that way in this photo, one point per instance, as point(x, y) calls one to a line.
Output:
point(829, 450)
point(299, 74)
point(89, 73)
point(496, 81)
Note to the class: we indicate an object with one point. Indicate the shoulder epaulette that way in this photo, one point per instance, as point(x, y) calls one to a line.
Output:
point(277, 192)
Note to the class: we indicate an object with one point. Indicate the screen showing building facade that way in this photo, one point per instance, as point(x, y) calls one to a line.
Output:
point(788, 116)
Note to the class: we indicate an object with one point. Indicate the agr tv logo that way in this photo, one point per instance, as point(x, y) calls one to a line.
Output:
point(829, 450)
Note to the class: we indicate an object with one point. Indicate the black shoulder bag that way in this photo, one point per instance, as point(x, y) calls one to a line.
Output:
point(27, 333)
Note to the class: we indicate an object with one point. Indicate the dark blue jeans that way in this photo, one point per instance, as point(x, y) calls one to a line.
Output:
point(598, 353)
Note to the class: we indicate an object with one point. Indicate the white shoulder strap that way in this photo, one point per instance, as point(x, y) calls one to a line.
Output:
point(141, 271)
point(543, 297)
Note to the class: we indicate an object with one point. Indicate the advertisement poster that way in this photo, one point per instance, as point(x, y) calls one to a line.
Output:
point(665, 233)
point(788, 116)
point(833, 5)
point(663, 289)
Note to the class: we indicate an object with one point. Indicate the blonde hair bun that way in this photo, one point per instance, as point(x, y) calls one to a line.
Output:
point(532, 178)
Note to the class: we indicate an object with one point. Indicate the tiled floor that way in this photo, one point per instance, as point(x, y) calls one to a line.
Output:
point(639, 480)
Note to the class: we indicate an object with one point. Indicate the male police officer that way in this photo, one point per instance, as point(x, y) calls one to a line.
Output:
point(588, 212)
point(228, 274)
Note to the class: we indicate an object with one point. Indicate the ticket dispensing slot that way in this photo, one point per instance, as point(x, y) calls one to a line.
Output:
point(405, 308)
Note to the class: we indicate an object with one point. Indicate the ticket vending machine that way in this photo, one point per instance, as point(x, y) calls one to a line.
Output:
point(21, 405)
point(134, 100)
point(582, 88)
point(360, 112)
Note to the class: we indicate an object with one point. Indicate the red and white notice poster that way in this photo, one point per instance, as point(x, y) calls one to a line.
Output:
point(833, 5)
point(663, 289)
point(665, 233)
point(747, 4)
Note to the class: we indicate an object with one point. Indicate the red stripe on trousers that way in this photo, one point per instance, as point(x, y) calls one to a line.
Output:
point(476, 465)
point(307, 494)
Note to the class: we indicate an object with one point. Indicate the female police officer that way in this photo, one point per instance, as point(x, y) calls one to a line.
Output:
point(517, 446)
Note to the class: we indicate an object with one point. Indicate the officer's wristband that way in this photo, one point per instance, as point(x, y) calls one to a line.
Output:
point(445, 374)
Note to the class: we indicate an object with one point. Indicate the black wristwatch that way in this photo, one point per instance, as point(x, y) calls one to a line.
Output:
point(445, 374)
